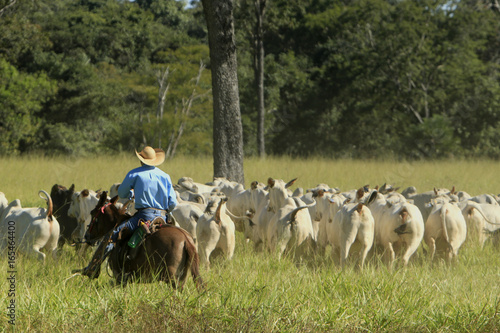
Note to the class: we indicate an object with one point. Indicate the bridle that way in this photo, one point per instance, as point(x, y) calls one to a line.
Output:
point(94, 221)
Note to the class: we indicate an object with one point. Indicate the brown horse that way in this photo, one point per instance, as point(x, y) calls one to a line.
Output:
point(165, 255)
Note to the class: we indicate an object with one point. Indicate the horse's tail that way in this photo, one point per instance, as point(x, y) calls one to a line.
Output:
point(193, 260)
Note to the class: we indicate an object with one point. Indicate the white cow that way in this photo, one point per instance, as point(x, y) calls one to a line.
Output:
point(186, 216)
point(353, 225)
point(198, 203)
point(314, 211)
point(327, 205)
point(215, 231)
point(290, 228)
point(421, 200)
point(188, 184)
point(129, 203)
point(445, 230)
point(259, 211)
point(3, 204)
point(239, 200)
point(30, 229)
point(81, 205)
point(191, 196)
point(398, 225)
point(481, 219)
point(485, 199)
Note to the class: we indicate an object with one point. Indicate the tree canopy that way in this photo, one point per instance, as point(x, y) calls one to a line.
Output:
point(343, 78)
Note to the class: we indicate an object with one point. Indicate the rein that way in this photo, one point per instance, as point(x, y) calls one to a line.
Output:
point(93, 221)
point(101, 210)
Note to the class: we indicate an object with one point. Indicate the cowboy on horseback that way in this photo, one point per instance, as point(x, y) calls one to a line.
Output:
point(154, 196)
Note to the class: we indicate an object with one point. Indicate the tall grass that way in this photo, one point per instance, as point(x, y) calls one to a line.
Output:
point(255, 291)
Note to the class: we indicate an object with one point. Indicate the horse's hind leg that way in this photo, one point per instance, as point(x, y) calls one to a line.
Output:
point(169, 276)
point(122, 278)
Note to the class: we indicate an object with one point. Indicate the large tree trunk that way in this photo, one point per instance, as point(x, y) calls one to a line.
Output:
point(260, 6)
point(228, 131)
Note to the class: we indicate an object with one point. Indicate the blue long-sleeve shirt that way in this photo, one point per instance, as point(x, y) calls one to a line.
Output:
point(152, 188)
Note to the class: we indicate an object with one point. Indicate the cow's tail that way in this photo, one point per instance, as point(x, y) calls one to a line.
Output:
point(294, 214)
point(50, 206)
point(193, 260)
point(444, 211)
point(478, 208)
point(293, 221)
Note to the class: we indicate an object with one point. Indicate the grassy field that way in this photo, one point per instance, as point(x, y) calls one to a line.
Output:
point(256, 292)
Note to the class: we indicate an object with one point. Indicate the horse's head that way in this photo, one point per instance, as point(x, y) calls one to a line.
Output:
point(105, 216)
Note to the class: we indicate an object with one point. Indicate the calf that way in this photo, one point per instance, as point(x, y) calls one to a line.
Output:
point(445, 230)
point(215, 231)
point(32, 229)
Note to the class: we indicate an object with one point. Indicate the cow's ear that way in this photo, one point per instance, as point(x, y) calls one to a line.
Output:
point(360, 193)
point(271, 182)
point(372, 197)
point(360, 207)
point(290, 183)
point(72, 189)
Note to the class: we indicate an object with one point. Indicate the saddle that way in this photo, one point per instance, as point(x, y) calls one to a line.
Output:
point(146, 228)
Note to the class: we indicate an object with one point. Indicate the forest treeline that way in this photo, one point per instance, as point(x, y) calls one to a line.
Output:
point(351, 78)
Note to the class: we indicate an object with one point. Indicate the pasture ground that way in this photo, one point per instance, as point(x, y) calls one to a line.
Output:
point(256, 292)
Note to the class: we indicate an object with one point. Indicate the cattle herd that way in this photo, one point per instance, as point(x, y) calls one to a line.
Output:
point(275, 219)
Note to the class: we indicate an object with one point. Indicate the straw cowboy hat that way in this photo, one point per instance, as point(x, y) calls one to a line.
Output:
point(151, 156)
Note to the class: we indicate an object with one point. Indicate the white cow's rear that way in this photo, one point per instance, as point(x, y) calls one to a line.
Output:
point(353, 225)
point(32, 229)
point(400, 226)
point(445, 230)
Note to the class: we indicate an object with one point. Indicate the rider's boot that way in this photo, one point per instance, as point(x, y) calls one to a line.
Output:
point(94, 267)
